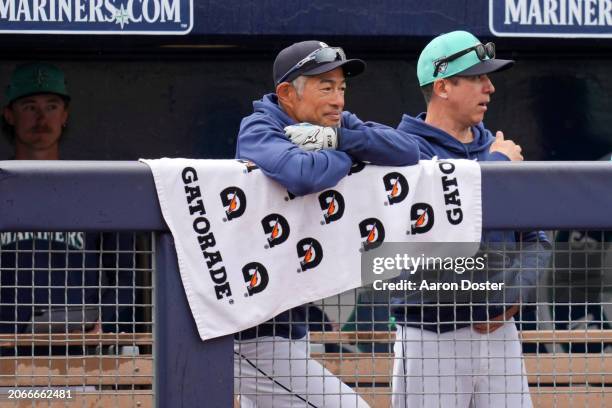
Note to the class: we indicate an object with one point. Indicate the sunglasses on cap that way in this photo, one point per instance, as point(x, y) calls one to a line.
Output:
point(325, 54)
point(482, 52)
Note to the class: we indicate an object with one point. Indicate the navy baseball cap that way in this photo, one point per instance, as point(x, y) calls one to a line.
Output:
point(312, 58)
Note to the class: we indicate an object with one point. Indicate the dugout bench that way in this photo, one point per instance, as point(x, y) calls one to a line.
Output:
point(556, 380)
point(94, 380)
point(560, 380)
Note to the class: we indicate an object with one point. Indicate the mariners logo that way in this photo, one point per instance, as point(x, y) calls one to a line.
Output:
point(310, 252)
point(250, 166)
point(374, 233)
point(441, 67)
point(422, 216)
point(277, 228)
point(234, 201)
point(356, 167)
point(396, 186)
point(332, 203)
point(256, 277)
point(96, 16)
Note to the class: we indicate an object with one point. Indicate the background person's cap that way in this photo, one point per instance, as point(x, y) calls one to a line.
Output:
point(35, 78)
point(448, 44)
point(290, 56)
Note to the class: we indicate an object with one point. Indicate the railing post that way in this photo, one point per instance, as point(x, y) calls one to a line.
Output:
point(189, 373)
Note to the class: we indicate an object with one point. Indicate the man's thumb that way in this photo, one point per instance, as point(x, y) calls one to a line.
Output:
point(499, 136)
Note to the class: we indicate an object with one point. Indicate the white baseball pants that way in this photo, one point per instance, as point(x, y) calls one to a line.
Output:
point(460, 368)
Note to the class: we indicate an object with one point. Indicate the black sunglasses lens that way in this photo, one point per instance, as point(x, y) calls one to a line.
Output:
point(490, 48)
point(480, 51)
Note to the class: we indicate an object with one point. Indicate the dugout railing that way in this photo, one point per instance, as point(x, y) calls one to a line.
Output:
point(120, 196)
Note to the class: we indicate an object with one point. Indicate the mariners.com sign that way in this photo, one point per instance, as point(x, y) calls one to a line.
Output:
point(551, 18)
point(96, 16)
point(507, 18)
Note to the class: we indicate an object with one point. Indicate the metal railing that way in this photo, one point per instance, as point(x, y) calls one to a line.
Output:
point(120, 197)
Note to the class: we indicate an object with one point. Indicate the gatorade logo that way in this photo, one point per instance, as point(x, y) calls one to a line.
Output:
point(277, 229)
point(310, 252)
point(332, 203)
point(374, 233)
point(234, 201)
point(396, 186)
point(256, 277)
point(452, 197)
point(422, 217)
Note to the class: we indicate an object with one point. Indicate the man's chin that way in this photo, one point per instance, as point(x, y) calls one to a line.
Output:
point(476, 119)
point(331, 123)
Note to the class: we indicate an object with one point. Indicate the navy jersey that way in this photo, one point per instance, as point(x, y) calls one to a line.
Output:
point(58, 270)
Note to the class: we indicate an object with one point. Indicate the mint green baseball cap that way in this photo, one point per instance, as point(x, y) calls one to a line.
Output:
point(468, 64)
point(36, 78)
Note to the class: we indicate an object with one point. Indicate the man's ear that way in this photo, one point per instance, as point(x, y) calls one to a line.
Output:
point(8, 115)
point(440, 88)
point(285, 93)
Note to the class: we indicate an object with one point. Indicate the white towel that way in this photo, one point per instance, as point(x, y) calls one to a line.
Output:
point(248, 250)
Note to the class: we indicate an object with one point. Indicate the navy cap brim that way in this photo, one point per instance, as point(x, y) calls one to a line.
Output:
point(351, 68)
point(487, 67)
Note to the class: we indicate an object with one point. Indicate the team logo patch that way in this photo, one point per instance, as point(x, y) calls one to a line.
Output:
point(356, 167)
point(250, 166)
point(256, 277)
point(396, 186)
point(310, 252)
point(422, 217)
point(441, 67)
point(332, 203)
point(374, 233)
point(277, 229)
point(234, 201)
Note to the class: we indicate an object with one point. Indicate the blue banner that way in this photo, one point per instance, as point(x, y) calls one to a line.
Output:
point(162, 17)
point(551, 18)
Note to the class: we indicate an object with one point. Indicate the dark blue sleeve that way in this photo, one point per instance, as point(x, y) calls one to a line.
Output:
point(376, 143)
point(533, 236)
point(497, 156)
point(301, 172)
point(535, 253)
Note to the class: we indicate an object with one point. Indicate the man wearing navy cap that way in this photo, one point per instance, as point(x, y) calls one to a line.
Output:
point(465, 352)
point(301, 137)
